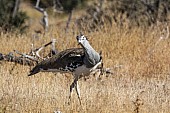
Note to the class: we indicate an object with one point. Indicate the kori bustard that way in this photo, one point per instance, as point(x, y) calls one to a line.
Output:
point(79, 61)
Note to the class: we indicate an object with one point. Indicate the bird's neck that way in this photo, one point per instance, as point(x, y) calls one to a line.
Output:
point(91, 56)
point(87, 47)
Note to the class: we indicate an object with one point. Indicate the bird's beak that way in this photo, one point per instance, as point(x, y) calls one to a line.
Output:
point(78, 40)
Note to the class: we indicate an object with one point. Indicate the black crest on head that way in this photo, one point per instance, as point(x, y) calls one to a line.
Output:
point(81, 34)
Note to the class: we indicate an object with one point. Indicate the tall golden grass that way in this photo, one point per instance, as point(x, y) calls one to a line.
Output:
point(140, 81)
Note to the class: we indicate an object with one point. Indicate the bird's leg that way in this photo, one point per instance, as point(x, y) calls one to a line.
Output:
point(78, 91)
point(101, 70)
point(71, 90)
point(76, 86)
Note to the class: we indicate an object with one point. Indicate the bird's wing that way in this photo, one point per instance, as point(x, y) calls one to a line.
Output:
point(66, 60)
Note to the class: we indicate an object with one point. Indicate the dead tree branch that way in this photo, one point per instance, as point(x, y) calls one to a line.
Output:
point(57, 7)
point(68, 21)
point(20, 60)
point(26, 56)
point(35, 52)
point(31, 58)
point(44, 19)
point(16, 8)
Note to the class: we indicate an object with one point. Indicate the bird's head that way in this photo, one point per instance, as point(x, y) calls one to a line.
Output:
point(81, 39)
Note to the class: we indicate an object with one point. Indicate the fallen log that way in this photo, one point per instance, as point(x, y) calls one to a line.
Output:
point(20, 60)
point(32, 58)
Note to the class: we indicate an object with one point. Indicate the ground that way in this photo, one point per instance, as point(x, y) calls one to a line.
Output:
point(138, 58)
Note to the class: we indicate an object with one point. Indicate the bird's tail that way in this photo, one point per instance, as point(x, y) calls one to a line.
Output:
point(35, 70)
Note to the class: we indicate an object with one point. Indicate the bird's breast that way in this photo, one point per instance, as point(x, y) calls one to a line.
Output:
point(82, 70)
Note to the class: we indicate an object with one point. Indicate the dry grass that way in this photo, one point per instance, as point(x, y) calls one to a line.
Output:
point(140, 83)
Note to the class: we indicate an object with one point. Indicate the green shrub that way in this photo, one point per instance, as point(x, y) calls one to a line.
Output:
point(9, 21)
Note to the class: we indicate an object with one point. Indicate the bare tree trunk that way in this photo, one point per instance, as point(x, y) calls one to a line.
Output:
point(37, 4)
point(17, 2)
point(101, 4)
point(44, 20)
point(54, 5)
point(68, 22)
point(57, 6)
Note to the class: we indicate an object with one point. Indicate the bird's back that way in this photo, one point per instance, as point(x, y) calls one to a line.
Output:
point(66, 61)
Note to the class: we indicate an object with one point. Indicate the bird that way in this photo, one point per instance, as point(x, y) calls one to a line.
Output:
point(78, 61)
point(1, 56)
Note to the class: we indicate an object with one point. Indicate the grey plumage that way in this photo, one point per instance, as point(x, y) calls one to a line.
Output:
point(92, 57)
point(79, 61)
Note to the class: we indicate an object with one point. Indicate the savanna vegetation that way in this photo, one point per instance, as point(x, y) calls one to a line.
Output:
point(132, 35)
